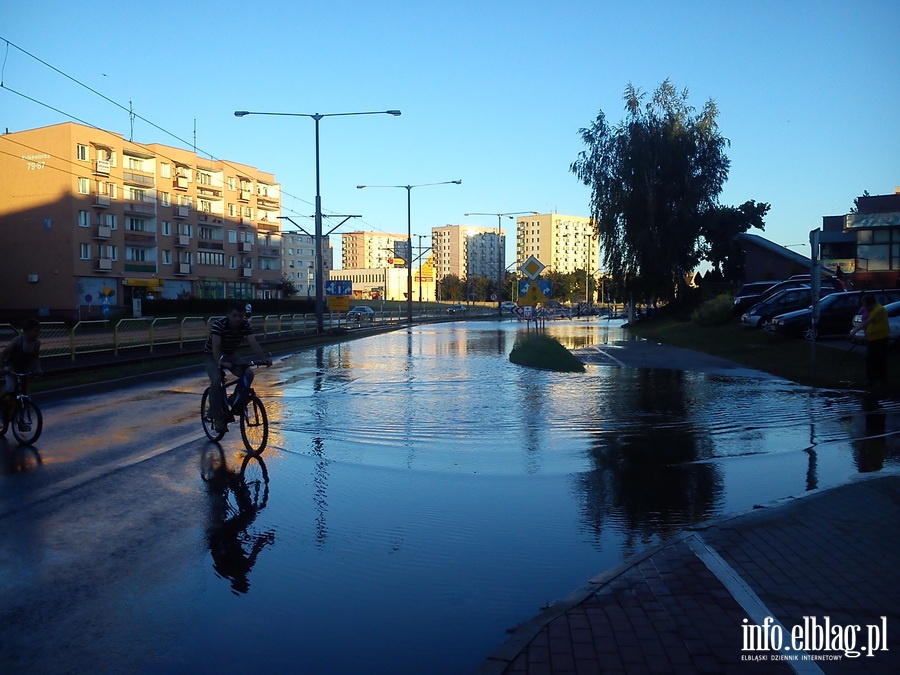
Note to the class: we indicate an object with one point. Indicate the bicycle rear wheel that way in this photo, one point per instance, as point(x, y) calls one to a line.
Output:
point(208, 423)
point(27, 423)
point(254, 425)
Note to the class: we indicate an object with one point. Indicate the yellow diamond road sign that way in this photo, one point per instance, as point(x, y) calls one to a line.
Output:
point(532, 267)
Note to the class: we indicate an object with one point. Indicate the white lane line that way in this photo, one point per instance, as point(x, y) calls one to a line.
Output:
point(610, 356)
point(747, 598)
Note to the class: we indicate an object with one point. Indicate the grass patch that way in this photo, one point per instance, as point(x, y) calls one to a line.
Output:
point(814, 364)
point(542, 351)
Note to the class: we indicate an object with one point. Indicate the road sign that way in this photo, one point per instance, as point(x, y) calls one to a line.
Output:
point(546, 286)
point(533, 296)
point(339, 287)
point(532, 267)
point(339, 303)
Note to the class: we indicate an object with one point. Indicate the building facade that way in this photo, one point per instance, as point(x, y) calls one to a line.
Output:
point(467, 250)
point(562, 243)
point(91, 221)
point(373, 250)
point(298, 261)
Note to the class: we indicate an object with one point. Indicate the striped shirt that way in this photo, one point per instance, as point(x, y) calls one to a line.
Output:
point(231, 338)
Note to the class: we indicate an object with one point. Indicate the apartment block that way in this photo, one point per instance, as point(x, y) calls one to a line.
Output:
point(562, 243)
point(91, 221)
point(298, 260)
point(373, 250)
point(466, 251)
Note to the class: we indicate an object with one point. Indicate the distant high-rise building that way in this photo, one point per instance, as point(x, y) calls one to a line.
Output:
point(467, 250)
point(373, 250)
point(562, 243)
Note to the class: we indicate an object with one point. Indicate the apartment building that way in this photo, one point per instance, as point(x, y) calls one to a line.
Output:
point(298, 261)
point(373, 250)
point(91, 221)
point(467, 250)
point(562, 243)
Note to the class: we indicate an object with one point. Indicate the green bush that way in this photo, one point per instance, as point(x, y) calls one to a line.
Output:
point(715, 312)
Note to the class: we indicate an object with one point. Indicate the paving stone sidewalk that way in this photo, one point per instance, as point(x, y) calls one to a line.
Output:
point(680, 607)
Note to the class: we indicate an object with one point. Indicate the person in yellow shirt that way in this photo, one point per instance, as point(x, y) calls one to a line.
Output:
point(877, 333)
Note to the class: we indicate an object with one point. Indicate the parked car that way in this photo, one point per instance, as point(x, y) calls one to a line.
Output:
point(762, 313)
point(836, 312)
point(893, 312)
point(748, 295)
point(457, 309)
point(361, 313)
point(828, 285)
point(508, 305)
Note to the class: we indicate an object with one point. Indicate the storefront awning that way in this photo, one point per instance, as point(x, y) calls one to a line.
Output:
point(151, 283)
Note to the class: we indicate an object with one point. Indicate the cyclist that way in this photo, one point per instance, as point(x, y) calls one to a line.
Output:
point(225, 336)
point(22, 355)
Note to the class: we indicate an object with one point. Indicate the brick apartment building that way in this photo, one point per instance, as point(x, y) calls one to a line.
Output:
point(91, 221)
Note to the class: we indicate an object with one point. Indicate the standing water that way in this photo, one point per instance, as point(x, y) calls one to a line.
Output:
point(426, 494)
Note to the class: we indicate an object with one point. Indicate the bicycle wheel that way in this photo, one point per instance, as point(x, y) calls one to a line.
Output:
point(27, 422)
point(254, 425)
point(208, 424)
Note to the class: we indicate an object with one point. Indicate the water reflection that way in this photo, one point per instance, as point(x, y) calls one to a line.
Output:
point(235, 500)
point(18, 458)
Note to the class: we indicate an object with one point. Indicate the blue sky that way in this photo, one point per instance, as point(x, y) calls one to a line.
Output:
point(492, 92)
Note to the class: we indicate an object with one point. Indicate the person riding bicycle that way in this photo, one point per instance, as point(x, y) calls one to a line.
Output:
point(22, 355)
point(225, 336)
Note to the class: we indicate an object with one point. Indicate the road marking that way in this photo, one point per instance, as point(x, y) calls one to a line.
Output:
point(609, 356)
point(747, 598)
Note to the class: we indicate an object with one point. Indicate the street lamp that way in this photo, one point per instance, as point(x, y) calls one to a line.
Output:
point(587, 267)
point(419, 258)
point(500, 252)
point(320, 267)
point(408, 188)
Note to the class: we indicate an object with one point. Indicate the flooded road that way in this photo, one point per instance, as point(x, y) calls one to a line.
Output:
point(419, 496)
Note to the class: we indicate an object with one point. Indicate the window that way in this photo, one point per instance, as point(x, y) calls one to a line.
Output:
point(135, 254)
point(232, 262)
point(231, 184)
point(84, 186)
point(208, 258)
point(166, 227)
point(134, 163)
point(167, 257)
point(84, 219)
point(136, 194)
point(232, 211)
point(81, 151)
point(111, 220)
point(232, 236)
point(112, 252)
point(164, 199)
point(84, 251)
point(136, 225)
point(203, 178)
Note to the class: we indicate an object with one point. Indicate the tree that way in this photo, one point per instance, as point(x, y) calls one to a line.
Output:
point(288, 288)
point(721, 226)
point(450, 288)
point(652, 178)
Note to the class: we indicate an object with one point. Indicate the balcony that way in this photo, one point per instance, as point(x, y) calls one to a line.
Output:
point(209, 217)
point(245, 247)
point(209, 192)
point(183, 240)
point(246, 272)
point(104, 265)
point(140, 267)
point(180, 182)
point(136, 238)
point(102, 232)
point(140, 208)
point(183, 268)
point(182, 211)
point(267, 227)
point(102, 166)
point(265, 201)
point(269, 251)
point(138, 177)
point(244, 196)
point(246, 221)
point(101, 201)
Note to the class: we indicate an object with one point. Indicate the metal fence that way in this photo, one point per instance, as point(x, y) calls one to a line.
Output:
point(58, 339)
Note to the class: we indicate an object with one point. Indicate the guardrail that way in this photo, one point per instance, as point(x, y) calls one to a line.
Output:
point(58, 339)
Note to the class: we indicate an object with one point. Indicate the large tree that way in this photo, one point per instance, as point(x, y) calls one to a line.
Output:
point(652, 178)
point(721, 226)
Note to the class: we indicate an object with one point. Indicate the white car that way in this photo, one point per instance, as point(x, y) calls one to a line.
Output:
point(361, 313)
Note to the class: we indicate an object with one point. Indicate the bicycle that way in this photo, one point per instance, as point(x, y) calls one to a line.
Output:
point(18, 408)
point(242, 404)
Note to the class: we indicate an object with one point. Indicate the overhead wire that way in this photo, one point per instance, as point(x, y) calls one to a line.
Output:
point(131, 113)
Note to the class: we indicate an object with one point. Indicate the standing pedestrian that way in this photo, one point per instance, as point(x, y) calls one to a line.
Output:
point(877, 333)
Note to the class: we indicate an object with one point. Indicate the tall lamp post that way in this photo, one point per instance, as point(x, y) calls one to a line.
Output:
point(500, 252)
point(320, 266)
point(408, 188)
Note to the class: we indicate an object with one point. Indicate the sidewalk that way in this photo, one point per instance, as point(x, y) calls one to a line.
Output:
point(680, 607)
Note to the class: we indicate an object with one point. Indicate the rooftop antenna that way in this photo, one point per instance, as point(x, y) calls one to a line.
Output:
point(195, 135)
point(131, 120)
